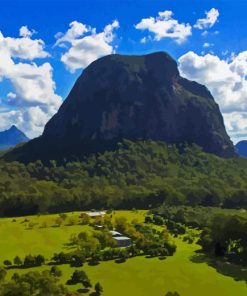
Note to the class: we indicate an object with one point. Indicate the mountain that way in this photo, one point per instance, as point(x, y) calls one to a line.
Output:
point(11, 137)
point(133, 97)
point(241, 148)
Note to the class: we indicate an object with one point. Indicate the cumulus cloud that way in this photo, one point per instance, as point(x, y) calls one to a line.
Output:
point(76, 30)
point(33, 99)
point(25, 32)
point(85, 44)
point(165, 26)
point(209, 21)
point(226, 79)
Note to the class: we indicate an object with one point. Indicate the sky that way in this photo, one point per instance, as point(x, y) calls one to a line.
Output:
point(45, 45)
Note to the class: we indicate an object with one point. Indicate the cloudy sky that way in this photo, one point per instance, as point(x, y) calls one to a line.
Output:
point(44, 46)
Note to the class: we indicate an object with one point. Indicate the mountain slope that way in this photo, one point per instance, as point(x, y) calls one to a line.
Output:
point(241, 148)
point(133, 97)
point(11, 137)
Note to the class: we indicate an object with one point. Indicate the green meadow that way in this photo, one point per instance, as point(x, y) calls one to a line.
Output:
point(187, 271)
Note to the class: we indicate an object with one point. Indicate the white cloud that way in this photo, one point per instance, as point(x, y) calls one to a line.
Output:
point(24, 47)
point(11, 95)
point(76, 30)
point(33, 99)
point(85, 49)
point(207, 45)
point(207, 22)
point(226, 79)
point(25, 32)
point(165, 26)
point(143, 40)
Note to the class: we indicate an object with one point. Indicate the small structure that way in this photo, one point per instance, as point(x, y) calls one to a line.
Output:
point(95, 214)
point(99, 227)
point(122, 241)
point(115, 233)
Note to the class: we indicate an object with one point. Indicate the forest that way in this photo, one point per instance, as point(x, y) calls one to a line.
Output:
point(142, 174)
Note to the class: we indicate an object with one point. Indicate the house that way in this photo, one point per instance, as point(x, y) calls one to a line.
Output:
point(95, 214)
point(122, 241)
point(115, 233)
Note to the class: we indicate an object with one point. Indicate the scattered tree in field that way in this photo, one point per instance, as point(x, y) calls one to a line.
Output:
point(58, 221)
point(3, 274)
point(63, 216)
point(7, 262)
point(39, 260)
point(79, 276)
point(98, 289)
point(172, 294)
point(55, 271)
point(77, 260)
point(84, 219)
point(17, 261)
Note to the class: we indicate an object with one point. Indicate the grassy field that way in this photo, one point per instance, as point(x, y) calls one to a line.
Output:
point(187, 272)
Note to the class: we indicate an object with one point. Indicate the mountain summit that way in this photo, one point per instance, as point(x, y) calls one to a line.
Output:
point(133, 97)
point(12, 137)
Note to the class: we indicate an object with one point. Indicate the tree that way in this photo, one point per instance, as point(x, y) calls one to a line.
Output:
point(33, 283)
point(17, 261)
point(58, 221)
point(7, 262)
point(84, 219)
point(55, 271)
point(121, 224)
point(172, 294)
point(29, 261)
point(79, 276)
point(98, 288)
point(39, 260)
point(77, 260)
point(3, 274)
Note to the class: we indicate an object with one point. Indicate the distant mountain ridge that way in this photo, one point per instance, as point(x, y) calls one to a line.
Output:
point(130, 97)
point(241, 148)
point(11, 137)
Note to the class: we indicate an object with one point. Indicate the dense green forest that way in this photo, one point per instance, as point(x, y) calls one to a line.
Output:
point(143, 174)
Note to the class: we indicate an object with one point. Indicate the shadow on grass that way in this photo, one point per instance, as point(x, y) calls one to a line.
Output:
point(237, 272)
point(120, 260)
point(83, 291)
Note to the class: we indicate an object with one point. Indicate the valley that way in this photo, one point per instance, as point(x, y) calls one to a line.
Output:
point(183, 272)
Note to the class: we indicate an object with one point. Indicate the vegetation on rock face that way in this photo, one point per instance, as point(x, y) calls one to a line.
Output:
point(143, 174)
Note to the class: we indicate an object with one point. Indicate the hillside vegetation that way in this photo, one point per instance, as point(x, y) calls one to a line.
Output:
point(142, 174)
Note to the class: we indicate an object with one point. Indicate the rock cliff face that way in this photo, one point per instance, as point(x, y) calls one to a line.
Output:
point(133, 97)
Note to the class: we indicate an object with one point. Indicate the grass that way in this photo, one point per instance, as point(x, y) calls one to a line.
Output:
point(186, 272)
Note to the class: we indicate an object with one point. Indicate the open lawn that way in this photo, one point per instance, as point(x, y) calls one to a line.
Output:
point(187, 272)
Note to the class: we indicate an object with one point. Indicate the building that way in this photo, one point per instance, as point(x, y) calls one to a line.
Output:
point(122, 241)
point(115, 233)
point(95, 214)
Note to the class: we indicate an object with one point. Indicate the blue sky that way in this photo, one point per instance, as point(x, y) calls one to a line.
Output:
point(40, 63)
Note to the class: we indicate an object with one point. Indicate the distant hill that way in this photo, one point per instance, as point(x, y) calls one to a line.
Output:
point(241, 148)
point(11, 137)
point(130, 97)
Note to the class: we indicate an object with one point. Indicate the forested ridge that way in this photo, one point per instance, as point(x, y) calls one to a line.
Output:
point(142, 174)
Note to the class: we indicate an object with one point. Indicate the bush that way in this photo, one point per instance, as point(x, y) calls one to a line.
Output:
point(7, 262)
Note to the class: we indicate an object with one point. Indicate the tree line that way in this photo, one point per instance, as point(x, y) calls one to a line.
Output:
point(142, 174)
